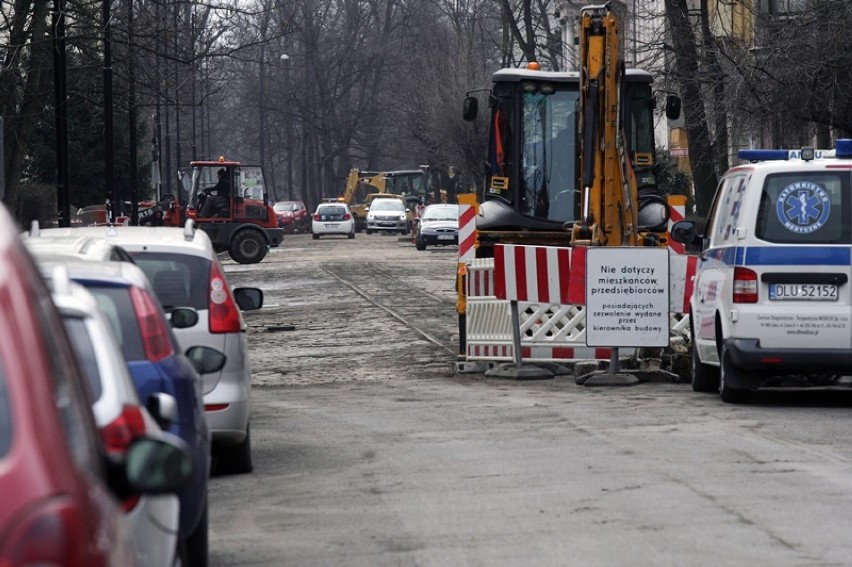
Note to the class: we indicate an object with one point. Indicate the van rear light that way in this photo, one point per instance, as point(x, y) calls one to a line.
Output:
point(745, 285)
point(155, 335)
point(118, 436)
point(224, 314)
point(48, 535)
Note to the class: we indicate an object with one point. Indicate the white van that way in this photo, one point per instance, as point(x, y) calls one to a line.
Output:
point(771, 296)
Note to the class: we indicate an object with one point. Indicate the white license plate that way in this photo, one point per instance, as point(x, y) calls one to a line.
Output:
point(803, 292)
point(445, 237)
point(332, 225)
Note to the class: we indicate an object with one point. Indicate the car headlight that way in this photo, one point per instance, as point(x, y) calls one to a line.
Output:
point(402, 217)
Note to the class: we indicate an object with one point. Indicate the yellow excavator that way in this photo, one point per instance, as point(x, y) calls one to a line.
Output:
point(570, 154)
point(410, 184)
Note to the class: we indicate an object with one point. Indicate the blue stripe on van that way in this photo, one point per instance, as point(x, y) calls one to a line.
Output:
point(780, 255)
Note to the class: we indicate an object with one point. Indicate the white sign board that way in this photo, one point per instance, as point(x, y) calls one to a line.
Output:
point(627, 297)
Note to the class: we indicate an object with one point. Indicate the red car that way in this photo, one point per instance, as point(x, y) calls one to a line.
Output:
point(58, 488)
point(292, 215)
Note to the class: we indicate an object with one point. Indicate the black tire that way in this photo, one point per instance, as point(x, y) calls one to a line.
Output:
point(351, 235)
point(248, 247)
point(235, 459)
point(198, 542)
point(316, 236)
point(419, 244)
point(368, 231)
point(705, 378)
point(726, 372)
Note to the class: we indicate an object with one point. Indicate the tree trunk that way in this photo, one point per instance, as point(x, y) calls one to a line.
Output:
point(687, 76)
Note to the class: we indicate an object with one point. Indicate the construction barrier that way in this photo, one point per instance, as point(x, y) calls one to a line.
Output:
point(549, 285)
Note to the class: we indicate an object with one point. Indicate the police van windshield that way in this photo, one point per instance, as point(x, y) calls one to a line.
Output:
point(812, 208)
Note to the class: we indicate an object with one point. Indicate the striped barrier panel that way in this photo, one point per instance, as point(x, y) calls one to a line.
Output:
point(677, 212)
point(550, 330)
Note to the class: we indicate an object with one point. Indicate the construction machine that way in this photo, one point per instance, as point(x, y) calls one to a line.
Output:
point(410, 184)
point(571, 155)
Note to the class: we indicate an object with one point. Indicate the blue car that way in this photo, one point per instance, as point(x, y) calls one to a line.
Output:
point(156, 364)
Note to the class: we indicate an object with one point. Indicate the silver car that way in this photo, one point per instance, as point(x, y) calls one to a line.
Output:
point(121, 417)
point(185, 271)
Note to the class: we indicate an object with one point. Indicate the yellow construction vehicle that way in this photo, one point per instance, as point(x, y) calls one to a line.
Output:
point(410, 184)
point(570, 154)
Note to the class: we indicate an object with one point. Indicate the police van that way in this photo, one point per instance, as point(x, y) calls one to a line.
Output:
point(771, 296)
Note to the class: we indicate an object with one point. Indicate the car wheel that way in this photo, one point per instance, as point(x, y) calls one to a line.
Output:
point(351, 235)
point(316, 236)
point(420, 244)
point(726, 372)
point(704, 378)
point(368, 231)
point(235, 459)
point(197, 544)
point(247, 247)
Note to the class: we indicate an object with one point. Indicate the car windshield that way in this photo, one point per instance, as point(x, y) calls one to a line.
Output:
point(116, 304)
point(441, 214)
point(280, 207)
point(334, 212)
point(387, 205)
point(806, 208)
point(81, 341)
point(179, 280)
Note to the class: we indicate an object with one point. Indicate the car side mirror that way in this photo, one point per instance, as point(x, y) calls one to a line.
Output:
point(470, 108)
point(183, 318)
point(685, 232)
point(206, 360)
point(248, 298)
point(157, 465)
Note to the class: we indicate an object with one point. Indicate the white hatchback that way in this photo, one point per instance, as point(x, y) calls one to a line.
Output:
point(185, 271)
point(771, 296)
point(332, 218)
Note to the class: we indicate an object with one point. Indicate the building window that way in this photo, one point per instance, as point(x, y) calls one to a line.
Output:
point(782, 7)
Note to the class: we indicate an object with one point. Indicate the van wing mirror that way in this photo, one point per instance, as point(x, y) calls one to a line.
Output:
point(470, 108)
point(673, 107)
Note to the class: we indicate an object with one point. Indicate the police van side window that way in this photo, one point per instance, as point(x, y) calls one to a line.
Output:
point(812, 208)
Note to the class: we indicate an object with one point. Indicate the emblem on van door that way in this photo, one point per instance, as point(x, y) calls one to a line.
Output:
point(803, 207)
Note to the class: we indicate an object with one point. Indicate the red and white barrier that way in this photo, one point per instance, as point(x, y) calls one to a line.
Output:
point(557, 275)
point(677, 212)
point(467, 230)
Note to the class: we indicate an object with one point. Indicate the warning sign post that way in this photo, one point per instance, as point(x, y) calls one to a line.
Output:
point(627, 297)
point(627, 305)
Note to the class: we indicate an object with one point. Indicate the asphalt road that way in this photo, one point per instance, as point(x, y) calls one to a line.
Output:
point(370, 450)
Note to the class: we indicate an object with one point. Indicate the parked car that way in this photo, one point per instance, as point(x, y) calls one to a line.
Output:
point(771, 294)
point(185, 271)
point(121, 417)
point(93, 247)
point(58, 486)
point(292, 215)
point(333, 218)
point(388, 215)
point(438, 226)
point(156, 364)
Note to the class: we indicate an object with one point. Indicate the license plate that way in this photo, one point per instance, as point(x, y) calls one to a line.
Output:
point(445, 237)
point(332, 225)
point(802, 292)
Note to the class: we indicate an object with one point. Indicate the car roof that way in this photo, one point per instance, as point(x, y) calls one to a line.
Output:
point(121, 273)
point(148, 238)
point(78, 245)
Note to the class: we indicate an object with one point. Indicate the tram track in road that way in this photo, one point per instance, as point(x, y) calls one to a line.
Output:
point(409, 304)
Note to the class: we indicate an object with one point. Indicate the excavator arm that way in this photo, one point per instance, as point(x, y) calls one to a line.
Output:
point(607, 185)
